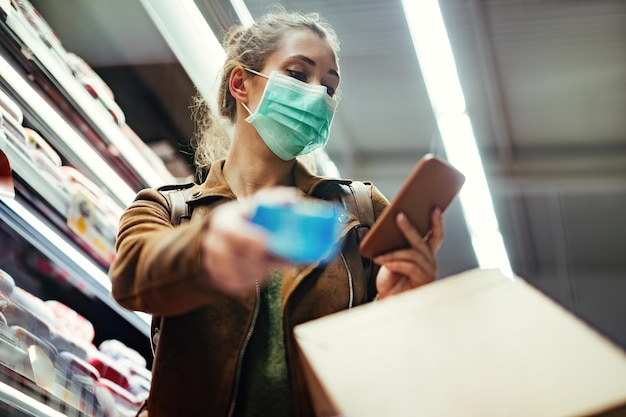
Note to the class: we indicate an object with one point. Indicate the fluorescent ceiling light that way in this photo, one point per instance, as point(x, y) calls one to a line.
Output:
point(192, 41)
point(242, 13)
point(436, 61)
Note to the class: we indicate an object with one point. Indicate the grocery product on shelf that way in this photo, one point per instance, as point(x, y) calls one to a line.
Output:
point(115, 400)
point(75, 380)
point(17, 315)
point(118, 351)
point(12, 355)
point(14, 133)
point(27, 339)
point(110, 369)
point(33, 160)
point(45, 159)
point(7, 187)
point(92, 215)
point(68, 321)
point(132, 364)
point(96, 86)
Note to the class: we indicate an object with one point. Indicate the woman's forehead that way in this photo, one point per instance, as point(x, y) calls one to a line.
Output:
point(305, 43)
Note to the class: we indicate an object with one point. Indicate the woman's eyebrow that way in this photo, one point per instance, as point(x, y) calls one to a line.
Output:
point(312, 63)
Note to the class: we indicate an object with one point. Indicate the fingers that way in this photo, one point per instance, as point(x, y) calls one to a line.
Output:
point(410, 232)
point(234, 252)
point(393, 287)
point(413, 267)
point(390, 283)
point(436, 235)
point(404, 269)
point(418, 273)
point(414, 262)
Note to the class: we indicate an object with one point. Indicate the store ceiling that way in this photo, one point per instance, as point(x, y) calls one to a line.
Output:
point(545, 85)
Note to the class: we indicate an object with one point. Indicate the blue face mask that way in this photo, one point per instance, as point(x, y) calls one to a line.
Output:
point(293, 118)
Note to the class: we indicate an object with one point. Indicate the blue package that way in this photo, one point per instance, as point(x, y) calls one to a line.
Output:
point(302, 232)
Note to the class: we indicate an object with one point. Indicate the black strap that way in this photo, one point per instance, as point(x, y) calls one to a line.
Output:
point(357, 198)
point(362, 195)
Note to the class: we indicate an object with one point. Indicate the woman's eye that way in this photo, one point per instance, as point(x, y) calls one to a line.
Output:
point(301, 76)
point(298, 75)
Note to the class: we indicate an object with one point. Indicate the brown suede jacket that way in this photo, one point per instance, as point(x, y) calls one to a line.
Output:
point(204, 333)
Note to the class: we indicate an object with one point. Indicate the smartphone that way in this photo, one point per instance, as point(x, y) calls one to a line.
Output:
point(432, 183)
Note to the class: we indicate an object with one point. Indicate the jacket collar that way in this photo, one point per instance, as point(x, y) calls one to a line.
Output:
point(215, 185)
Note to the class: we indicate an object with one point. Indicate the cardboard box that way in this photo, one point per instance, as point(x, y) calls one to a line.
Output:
point(475, 344)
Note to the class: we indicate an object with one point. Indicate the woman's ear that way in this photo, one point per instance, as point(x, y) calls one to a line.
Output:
point(236, 84)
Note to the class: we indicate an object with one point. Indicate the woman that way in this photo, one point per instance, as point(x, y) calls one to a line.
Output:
point(226, 346)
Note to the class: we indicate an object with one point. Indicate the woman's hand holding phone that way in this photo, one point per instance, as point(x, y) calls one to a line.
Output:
point(412, 267)
point(406, 236)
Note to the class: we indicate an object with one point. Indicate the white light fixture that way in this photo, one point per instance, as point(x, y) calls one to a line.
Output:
point(242, 12)
point(192, 41)
point(436, 61)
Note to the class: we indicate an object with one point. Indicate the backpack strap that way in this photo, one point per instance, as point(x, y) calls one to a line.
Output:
point(178, 195)
point(361, 199)
point(356, 197)
point(180, 208)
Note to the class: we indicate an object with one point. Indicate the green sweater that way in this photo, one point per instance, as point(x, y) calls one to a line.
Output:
point(265, 389)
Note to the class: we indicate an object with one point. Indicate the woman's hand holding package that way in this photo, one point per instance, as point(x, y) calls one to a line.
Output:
point(235, 253)
point(410, 268)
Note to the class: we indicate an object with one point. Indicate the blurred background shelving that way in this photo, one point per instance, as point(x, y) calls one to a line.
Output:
point(70, 164)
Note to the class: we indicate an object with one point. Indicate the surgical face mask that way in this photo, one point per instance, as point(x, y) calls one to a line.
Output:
point(293, 118)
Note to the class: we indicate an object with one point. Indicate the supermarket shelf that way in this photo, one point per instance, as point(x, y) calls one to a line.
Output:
point(22, 397)
point(44, 227)
point(65, 138)
point(84, 103)
point(38, 216)
point(84, 274)
point(55, 189)
point(23, 405)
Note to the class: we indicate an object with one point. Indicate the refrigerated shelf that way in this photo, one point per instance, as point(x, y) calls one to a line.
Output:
point(64, 138)
point(84, 103)
point(23, 405)
point(88, 277)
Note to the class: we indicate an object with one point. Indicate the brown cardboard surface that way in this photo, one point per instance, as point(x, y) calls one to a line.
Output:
point(475, 344)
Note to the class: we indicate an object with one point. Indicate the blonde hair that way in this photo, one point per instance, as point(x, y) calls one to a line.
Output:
point(247, 47)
